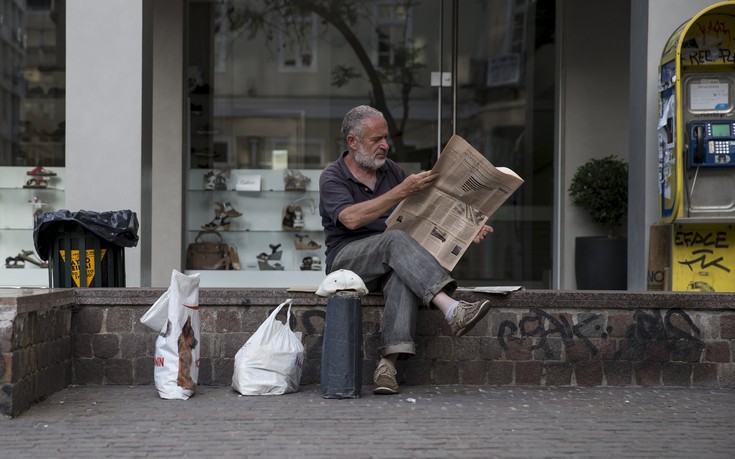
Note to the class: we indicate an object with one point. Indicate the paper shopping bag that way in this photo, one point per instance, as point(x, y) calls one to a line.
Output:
point(176, 362)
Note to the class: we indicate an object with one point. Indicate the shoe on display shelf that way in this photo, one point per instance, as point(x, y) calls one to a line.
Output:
point(226, 208)
point(222, 221)
point(306, 264)
point(295, 180)
point(265, 266)
point(14, 262)
point(274, 255)
point(36, 183)
point(316, 264)
point(30, 256)
point(308, 245)
point(40, 171)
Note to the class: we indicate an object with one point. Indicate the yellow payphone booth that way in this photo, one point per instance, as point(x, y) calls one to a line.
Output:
point(696, 149)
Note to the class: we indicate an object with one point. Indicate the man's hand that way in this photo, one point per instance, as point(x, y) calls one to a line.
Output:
point(360, 214)
point(416, 182)
point(484, 231)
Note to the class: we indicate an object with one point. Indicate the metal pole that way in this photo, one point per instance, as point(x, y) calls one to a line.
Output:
point(441, 68)
point(455, 48)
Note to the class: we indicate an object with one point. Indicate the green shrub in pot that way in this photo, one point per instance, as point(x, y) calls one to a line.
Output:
point(600, 187)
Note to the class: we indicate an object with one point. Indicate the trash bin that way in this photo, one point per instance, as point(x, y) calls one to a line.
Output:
point(85, 248)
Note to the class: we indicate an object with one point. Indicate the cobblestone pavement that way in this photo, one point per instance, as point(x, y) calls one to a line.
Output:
point(422, 421)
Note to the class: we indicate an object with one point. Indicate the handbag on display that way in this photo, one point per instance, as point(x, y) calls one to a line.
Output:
point(206, 255)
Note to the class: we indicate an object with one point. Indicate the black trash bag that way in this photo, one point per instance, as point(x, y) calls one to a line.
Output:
point(341, 372)
point(119, 227)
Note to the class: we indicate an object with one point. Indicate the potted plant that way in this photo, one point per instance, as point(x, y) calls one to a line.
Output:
point(600, 187)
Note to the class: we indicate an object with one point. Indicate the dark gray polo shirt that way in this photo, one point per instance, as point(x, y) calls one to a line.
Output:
point(339, 189)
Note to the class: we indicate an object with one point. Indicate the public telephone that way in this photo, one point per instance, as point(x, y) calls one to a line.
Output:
point(711, 143)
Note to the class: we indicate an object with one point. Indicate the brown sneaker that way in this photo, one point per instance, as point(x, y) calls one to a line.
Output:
point(384, 380)
point(466, 315)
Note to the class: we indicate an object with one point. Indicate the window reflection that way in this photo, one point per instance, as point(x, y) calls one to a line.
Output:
point(262, 99)
point(32, 93)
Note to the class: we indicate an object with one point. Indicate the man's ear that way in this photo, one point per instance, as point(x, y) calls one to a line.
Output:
point(352, 142)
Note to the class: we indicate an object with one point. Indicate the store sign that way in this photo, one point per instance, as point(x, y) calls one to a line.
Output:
point(247, 182)
point(89, 264)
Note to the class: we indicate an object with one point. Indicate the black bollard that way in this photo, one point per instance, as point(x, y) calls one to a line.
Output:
point(341, 374)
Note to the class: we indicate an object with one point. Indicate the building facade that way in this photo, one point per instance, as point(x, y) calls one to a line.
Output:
point(192, 114)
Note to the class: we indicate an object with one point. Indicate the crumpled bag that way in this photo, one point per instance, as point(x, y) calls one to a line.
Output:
point(272, 360)
point(119, 227)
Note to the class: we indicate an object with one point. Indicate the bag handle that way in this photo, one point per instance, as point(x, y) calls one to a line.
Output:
point(200, 235)
point(275, 312)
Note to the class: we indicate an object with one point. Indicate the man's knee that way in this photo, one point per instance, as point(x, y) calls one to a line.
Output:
point(399, 237)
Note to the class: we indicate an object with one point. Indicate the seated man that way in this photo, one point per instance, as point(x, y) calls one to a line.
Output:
point(357, 194)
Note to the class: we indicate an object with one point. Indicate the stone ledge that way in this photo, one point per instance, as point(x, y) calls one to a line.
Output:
point(524, 299)
point(530, 337)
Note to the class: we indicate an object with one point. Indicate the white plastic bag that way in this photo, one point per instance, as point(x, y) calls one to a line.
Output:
point(176, 362)
point(156, 318)
point(271, 361)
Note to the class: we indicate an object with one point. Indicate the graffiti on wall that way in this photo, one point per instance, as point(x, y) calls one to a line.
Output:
point(703, 258)
point(674, 334)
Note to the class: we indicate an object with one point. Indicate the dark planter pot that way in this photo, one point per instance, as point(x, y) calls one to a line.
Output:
point(601, 263)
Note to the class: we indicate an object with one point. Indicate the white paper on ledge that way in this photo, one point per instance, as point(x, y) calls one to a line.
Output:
point(503, 290)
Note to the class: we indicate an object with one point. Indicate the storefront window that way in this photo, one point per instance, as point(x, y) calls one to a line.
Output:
point(270, 80)
point(32, 93)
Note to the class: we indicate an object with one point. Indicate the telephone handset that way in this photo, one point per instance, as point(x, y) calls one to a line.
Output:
point(711, 143)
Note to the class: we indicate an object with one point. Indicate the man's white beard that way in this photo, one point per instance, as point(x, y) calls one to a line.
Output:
point(364, 160)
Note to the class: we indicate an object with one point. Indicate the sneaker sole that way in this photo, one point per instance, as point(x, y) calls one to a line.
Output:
point(484, 308)
point(383, 390)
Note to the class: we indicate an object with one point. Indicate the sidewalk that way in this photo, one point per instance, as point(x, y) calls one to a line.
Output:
point(422, 421)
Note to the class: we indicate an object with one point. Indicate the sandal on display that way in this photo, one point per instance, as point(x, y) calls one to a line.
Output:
point(274, 255)
point(30, 256)
point(218, 221)
point(265, 266)
point(14, 262)
point(308, 245)
point(295, 180)
point(289, 218)
point(36, 183)
point(41, 171)
point(215, 180)
point(306, 264)
point(226, 208)
point(316, 264)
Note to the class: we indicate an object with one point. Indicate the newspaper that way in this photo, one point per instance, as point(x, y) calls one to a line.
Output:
point(446, 217)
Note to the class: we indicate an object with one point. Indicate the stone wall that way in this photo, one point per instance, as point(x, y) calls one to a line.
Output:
point(52, 338)
point(35, 347)
point(537, 338)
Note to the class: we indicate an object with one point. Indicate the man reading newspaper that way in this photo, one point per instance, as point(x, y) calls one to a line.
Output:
point(357, 193)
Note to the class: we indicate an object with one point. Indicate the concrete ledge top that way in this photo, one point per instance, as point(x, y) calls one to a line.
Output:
point(575, 299)
point(26, 300)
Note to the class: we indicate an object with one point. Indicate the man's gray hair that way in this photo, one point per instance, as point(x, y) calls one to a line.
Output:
point(353, 121)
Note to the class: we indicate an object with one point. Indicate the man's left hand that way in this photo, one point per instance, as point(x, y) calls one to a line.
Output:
point(484, 231)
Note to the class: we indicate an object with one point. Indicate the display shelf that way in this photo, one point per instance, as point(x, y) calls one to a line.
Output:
point(23, 277)
point(263, 205)
point(16, 220)
point(261, 279)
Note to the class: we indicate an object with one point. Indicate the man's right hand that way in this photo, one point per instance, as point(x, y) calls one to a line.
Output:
point(417, 182)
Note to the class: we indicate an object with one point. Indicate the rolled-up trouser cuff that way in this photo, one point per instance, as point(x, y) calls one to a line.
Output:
point(401, 348)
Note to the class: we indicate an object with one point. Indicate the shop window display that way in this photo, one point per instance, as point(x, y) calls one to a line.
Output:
point(32, 131)
point(269, 82)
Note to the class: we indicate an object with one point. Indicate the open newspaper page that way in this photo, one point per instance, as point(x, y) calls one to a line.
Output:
point(445, 218)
